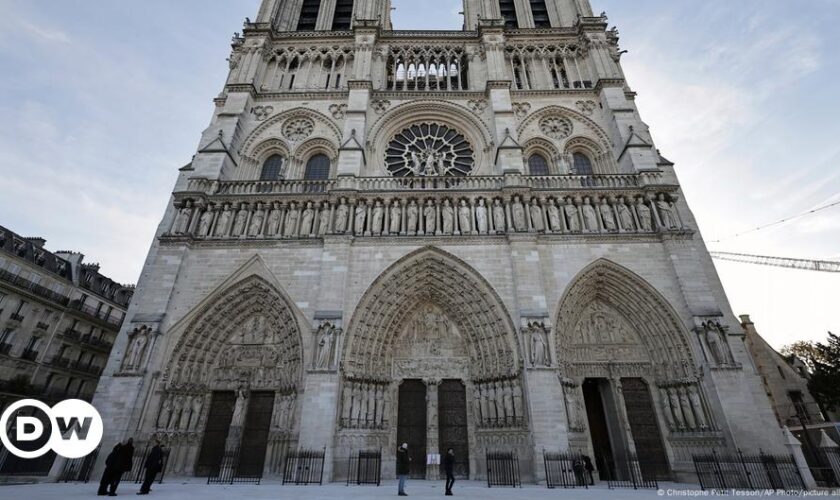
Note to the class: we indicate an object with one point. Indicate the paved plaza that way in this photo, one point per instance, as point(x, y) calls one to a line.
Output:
point(272, 490)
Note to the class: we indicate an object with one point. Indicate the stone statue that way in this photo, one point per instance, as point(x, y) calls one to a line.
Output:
point(697, 404)
point(165, 413)
point(477, 404)
point(357, 405)
point(376, 219)
point(416, 166)
point(325, 347)
point(447, 215)
point(539, 346)
point(499, 221)
point(430, 164)
point(347, 404)
point(666, 213)
point(675, 404)
point(205, 222)
point(324, 219)
point(537, 216)
point(135, 352)
point(589, 216)
point(572, 218)
point(625, 217)
point(256, 222)
point(481, 217)
point(380, 406)
point(239, 408)
point(430, 216)
point(274, 220)
point(241, 219)
point(442, 169)
point(361, 215)
point(507, 398)
point(465, 217)
point(182, 220)
point(718, 347)
point(644, 214)
point(186, 412)
point(607, 215)
point(292, 217)
point(307, 219)
point(341, 215)
point(685, 403)
point(177, 409)
point(413, 216)
point(517, 399)
point(554, 216)
point(518, 214)
point(396, 218)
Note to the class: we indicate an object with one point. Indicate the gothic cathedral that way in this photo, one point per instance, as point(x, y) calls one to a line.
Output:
point(459, 239)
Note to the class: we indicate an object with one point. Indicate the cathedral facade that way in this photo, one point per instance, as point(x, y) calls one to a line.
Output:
point(459, 239)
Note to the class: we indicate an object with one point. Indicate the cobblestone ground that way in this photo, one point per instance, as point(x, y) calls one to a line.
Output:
point(269, 490)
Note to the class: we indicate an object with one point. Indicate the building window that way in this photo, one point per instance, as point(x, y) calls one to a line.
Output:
point(343, 15)
point(272, 168)
point(540, 13)
point(781, 372)
point(6, 337)
point(508, 10)
point(537, 165)
point(581, 164)
point(309, 15)
point(317, 168)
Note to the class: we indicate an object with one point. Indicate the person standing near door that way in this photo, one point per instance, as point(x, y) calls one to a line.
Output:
point(403, 466)
point(153, 465)
point(449, 468)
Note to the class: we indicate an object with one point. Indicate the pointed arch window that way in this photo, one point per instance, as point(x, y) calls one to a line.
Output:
point(272, 169)
point(537, 165)
point(317, 168)
point(581, 164)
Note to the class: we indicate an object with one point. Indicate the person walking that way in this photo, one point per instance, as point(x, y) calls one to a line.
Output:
point(124, 462)
point(153, 465)
point(589, 468)
point(449, 468)
point(110, 470)
point(403, 467)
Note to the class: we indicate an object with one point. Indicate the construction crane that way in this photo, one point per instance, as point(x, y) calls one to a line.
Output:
point(824, 266)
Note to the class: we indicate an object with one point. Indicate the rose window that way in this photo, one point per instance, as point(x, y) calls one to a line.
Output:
point(556, 127)
point(298, 129)
point(427, 150)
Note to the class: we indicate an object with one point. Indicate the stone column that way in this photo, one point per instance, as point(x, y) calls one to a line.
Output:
point(432, 430)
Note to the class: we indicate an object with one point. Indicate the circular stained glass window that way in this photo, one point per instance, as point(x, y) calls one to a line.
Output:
point(429, 150)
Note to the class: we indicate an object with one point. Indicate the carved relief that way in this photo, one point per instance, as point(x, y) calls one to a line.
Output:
point(556, 127)
point(262, 112)
point(338, 111)
point(139, 342)
point(298, 129)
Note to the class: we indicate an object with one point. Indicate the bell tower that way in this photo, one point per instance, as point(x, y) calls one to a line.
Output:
point(323, 15)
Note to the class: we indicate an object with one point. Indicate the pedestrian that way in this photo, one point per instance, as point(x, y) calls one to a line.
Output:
point(110, 468)
point(124, 462)
point(449, 468)
point(403, 466)
point(153, 465)
point(578, 468)
point(587, 464)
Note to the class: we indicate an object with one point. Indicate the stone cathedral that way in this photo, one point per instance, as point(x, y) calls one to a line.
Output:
point(461, 239)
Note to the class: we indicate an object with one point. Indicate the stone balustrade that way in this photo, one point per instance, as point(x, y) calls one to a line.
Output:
point(426, 206)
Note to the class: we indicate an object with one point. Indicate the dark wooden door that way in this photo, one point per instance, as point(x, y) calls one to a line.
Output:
point(255, 434)
point(411, 424)
point(645, 428)
point(452, 424)
point(598, 431)
point(215, 433)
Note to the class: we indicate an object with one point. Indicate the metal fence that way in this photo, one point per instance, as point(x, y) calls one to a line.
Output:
point(78, 470)
point(304, 467)
point(632, 473)
point(566, 470)
point(138, 463)
point(741, 471)
point(503, 469)
point(229, 471)
point(365, 467)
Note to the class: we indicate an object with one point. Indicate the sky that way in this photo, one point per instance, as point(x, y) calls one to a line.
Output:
point(103, 100)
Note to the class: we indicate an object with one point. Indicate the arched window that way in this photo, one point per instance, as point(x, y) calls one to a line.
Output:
point(537, 165)
point(582, 165)
point(272, 168)
point(317, 168)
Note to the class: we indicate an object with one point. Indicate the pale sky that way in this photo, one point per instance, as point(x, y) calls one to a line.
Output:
point(103, 100)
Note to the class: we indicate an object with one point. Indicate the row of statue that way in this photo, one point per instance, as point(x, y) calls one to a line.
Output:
point(683, 408)
point(607, 214)
point(365, 405)
point(283, 415)
point(179, 412)
point(499, 403)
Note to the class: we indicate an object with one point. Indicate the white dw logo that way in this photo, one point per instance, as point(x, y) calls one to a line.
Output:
point(76, 428)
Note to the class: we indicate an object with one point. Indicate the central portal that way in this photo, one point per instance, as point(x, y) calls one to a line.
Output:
point(411, 424)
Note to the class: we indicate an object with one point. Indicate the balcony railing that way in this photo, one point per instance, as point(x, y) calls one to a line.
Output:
point(94, 313)
point(42, 326)
point(72, 334)
point(5, 348)
point(16, 317)
point(29, 355)
point(97, 343)
point(33, 287)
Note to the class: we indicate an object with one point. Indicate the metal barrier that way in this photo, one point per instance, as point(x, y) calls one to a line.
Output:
point(748, 472)
point(229, 471)
point(138, 464)
point(632, 473)
point(365, 467)
point(78, 470)
point(566, 470)
point(304, 467)
point(503, 469)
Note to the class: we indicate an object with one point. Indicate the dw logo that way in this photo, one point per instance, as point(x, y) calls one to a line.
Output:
point(76, 429)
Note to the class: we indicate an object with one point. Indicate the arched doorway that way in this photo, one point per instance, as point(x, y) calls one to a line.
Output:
point(430, 319)
point(627, 365)
point(232, 382)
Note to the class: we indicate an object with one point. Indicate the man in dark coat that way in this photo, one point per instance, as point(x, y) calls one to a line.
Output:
point(153, 465)
point(110, 469)
point(449, 468)
point(124, 461)
point(403, 468)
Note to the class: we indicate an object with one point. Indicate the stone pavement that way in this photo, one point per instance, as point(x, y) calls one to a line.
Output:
point(271, 490)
